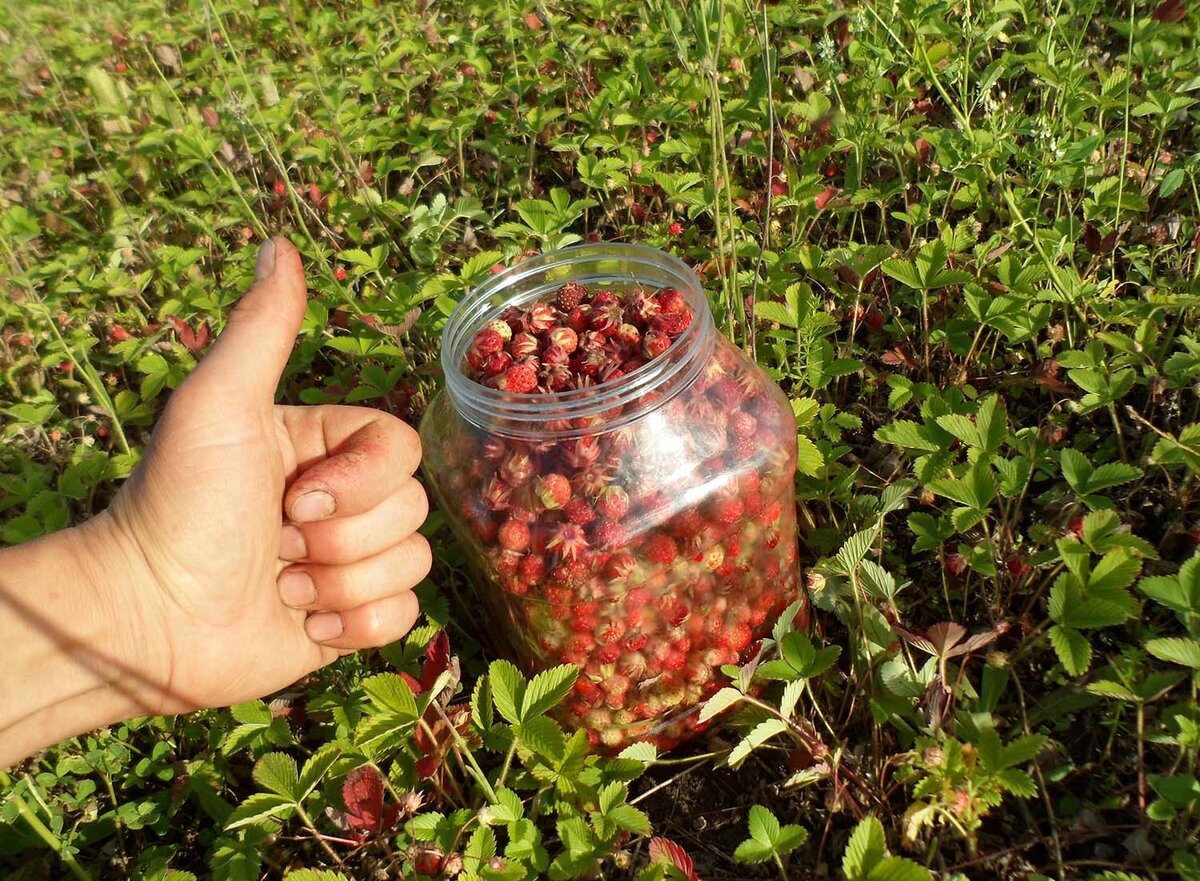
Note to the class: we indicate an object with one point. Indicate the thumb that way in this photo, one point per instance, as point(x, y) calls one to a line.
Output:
point(254, 347)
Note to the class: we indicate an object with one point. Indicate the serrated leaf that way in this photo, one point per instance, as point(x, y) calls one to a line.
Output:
point(259, 807)
point(910, 435)
point(809, 460)
point(547, 689)
point(1180, 650)
point(768, 310)
point(642, 751)
point(543, 736)
point(898, 869)
point(719, 703)
point(760, 734)
point(630, 819)
point(763, 824)
point(1073, 649)
point(1110, 475)
point(1115, 572)
point(388, 691)
point(865, 849)
point(752, 851)
point(1109, 688)
point(277, 772)
point(508, 689)
point(316, 767)
point(507, 808)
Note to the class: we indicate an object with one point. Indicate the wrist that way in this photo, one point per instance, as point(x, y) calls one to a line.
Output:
point(70, 620)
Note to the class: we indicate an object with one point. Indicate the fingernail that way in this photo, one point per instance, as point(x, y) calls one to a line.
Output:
point(297, 590)
point(323, 626)
point(315, 505)
point(291, 544)
point(264, 267)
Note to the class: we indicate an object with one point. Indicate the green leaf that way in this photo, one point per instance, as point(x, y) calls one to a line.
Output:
point(259, 807)
point(719, 703)
point(507, 808)
point(1110, 475)
point(508, 689)
point(898, 869)
point(809, 460)
point(1180, 650)
point(547, 690)
point(777, 312)
point(388, 691)
point(630, 819)
point(277, 773)
point(865, 849)
point(1074, 651)
point(752, 851)
point(760, 734)
point(316, 767)
point(910, 435)
point(764, 826)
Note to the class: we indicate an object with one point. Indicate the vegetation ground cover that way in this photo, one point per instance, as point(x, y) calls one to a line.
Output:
point(962, 237)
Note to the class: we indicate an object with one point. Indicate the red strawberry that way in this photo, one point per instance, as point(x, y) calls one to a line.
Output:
point(564, 338)
point(523, 345)
point(608, 534)
point(655, 343)
point(743, 424)
point(487, 341)
point(661, 548)
point(514, 535)
point(553, 490)
point(579, 511)
point(519, 379)
point(670, 300)
point(568, 540)
point(613, 503)
point(570, 295)
point(532, 568)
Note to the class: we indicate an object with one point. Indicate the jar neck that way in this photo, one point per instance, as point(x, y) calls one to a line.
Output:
point(576, 412)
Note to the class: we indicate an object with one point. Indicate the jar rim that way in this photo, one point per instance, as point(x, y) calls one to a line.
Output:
point(526, 415)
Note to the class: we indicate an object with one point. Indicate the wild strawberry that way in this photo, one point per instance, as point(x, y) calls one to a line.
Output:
point(558, 595)
point(612, 737)
point(497, 363)
point(590, 483)
point(675, 229)
point(577, 648)
point(714, 558)
point(672, 323)
point(674, 610)
point(570, 295)
point(514, 535)
point(339, 273)
point(726, 509)
point(620, 565)
point(582, 452)
point(613, 503)
point(661, 548)
point(743, 424)
point(486, 342)
point(635, 642)
point(687, 523)
point(580, 318)
point(609, 534)
point(507, 562)
point(670, 300)
point(555, 356)
point(655, 343)
point(428, 861)
point(636, 599)
point(553, 490)
point(628, 334)
point(675, 660)
point(532, 568)
point(501, 327)
point(610, 631)
point(571, 574)
point(524, 345)
point(583, 624)
point(568, 540)
point(737, 637)
point(585, 688)
point(579, 511)
point(516, 468)
point(564, 338)
point(497, 494)
point(604, 298)
point(540, 318)
point(519, 379)
point(606, 319)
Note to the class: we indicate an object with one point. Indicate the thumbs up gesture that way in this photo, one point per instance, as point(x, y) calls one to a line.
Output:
point(260, 542)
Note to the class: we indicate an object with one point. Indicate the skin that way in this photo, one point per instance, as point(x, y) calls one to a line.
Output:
point(254, 544)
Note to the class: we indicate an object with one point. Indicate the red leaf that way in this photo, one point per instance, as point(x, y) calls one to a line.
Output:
point(192, 340)
point(412, 683)
point(1169, 11)
point(825, 197)
point(437, 659)
point(363, 793)
point(427, 766)
point(532, 21)
point(666, 850)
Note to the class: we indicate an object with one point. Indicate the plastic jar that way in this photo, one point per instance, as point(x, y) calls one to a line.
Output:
point(695, 450)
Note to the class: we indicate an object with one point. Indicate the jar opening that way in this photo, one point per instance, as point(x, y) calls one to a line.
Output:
point(577, 411)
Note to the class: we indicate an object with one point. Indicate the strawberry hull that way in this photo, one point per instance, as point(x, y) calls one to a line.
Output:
point(639, 525)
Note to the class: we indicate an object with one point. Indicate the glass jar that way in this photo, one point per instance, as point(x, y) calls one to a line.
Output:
point(686, 466)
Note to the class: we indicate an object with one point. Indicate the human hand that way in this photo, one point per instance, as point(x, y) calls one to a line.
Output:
point(260, 542)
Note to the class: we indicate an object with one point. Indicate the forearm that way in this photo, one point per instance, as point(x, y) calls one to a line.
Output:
point(70, 656)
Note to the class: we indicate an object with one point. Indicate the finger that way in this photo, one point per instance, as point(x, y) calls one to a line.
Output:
point(373, 624)
point(347, 539)
point(251, 352)
point(399, 568)
point(359, 457)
